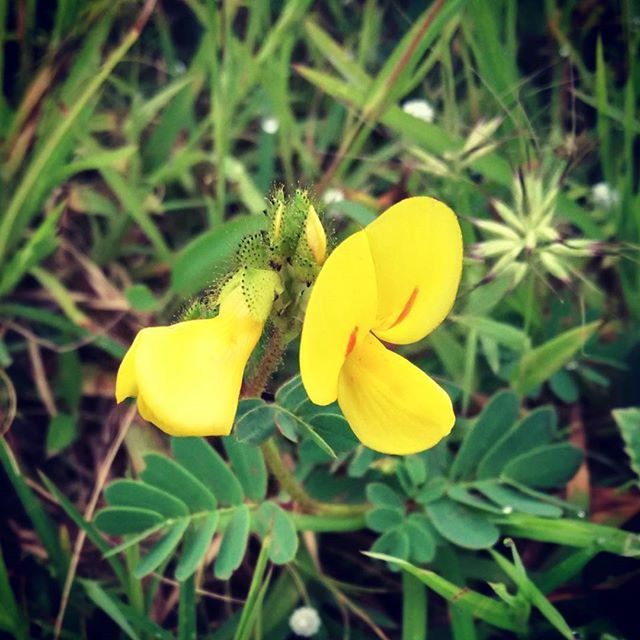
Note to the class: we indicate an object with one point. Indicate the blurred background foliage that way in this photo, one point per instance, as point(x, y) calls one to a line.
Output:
point(138, 143)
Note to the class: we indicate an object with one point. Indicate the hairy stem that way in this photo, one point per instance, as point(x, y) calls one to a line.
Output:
point(255, 386)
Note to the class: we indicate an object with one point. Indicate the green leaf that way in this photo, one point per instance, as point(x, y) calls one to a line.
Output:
point(196, 542)
point(287, 425)
point(496, 418)
point(628, 421)
point(141, 298)
point(208, 257)
point(11, 618)
point(534, 430)
point(414, 608)
point(129, 493)
point(334, 431)
point(187, 610)
point(539, 364)
point(563, 384)
point(382, 495)
point(422, 544)
point(44, 527)
point(572, 533)
point(110, 605)
point(251, 607)
point(204, 462)
point(496, 613)
point(511, 499)
point(291, 394)
point(382, 519)
point(168, 475)
point(272, 520)
point(531, 592)
point(247, 462)
point(464, 496)
point(501, 332)
point(62, 432)
point(161, 550)
point(88, 527)
point(464, 527)
point(395, 541)
point(432, 491)
point(545, 467)
point(234, 543)
point(120, 521)
point(485, 297)
point(256, 425)
point(37, 247)
point(411, 473)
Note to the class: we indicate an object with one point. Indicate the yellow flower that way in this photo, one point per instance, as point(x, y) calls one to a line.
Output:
point(394, 281)
point(187, 376)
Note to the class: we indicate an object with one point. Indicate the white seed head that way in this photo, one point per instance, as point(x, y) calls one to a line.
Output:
point(331, 196)
point(604, 196)
point(305, 622)
point(420, 109)
point(270, 125)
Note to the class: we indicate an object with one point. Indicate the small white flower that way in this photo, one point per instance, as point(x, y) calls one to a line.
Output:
point(565, 51)
point(305, 622)
point(604, 196)
point(419, 109)
point(331, 196)
point(179, 67)
point(270, 125)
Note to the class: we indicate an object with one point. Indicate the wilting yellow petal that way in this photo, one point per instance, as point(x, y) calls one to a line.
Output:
point(417, 252)
point(391, 405)
point(341, 312)
point(126, 384)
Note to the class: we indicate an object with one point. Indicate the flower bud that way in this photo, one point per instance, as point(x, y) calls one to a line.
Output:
point(315, 235)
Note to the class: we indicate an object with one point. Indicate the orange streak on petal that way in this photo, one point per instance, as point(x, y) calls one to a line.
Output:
point(351, 345)
point(407, 308)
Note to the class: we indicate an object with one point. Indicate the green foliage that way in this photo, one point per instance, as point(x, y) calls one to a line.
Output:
point(179, 499)
point(628, 421)
point(134, 164)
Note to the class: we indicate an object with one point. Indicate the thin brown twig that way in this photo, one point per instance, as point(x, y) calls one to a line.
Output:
point(40, 378)
point(101, 478)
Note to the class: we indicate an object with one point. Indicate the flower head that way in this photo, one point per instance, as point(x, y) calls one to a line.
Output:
point(187, 376)
point(305, 622)
point(420, 109)
point(604, 196)
point(394, 281)
point(528, 234)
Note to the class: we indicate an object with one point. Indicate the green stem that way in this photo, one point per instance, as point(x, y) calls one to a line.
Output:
point(290, 484)
point(414, 608)
point(530, 303)
point(254, 387)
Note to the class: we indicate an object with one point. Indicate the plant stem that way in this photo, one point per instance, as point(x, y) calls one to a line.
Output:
point(254, 387)
point(290, 484)
point(267, 366)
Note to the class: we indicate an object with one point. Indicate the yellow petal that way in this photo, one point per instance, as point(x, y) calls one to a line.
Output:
point(391, 405)
point(189, 374)
point(315, 235)
point(417, 252)
point(340, 313)
point(126, 384)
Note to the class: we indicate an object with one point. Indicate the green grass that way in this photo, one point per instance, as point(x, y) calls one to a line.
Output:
point(138, 142)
